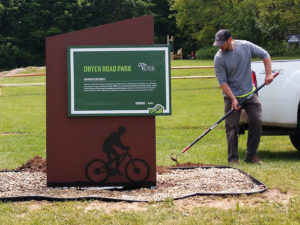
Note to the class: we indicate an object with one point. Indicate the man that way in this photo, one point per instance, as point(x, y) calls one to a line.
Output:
point(233, 69)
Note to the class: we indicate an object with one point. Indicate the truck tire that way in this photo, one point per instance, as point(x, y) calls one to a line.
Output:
point(295, 139)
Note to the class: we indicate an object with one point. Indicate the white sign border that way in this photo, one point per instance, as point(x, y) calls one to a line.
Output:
point(73, 50)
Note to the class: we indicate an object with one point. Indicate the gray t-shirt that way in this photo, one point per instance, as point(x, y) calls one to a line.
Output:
point(234, 67)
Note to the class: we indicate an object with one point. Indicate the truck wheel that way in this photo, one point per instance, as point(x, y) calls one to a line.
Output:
point(295, 139)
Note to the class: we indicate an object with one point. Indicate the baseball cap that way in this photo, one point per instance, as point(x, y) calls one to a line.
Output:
point(221, 37)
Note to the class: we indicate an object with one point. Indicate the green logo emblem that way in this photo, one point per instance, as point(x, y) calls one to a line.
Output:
point(158, 108)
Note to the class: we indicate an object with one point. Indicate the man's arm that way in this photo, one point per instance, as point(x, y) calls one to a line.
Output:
point(227, 90)
point(269, 77)
point(259, 52)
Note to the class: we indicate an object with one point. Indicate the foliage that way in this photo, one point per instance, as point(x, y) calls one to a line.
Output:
point(258, 21)
point(207, 52)
point(280, 49)
point(163, 25)
point(274, 49)
point(24, 24)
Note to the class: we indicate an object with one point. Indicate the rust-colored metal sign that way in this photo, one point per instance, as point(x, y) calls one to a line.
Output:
point(97, 151)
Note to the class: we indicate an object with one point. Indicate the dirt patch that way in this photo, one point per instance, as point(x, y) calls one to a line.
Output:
point(110, 207)
point(275, 195)
point(185, 206)
point(231, 202)
point(22, 70)
point(36, 164)
point(11, 133)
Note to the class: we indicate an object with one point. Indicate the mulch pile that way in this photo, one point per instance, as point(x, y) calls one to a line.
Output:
point(36, 164)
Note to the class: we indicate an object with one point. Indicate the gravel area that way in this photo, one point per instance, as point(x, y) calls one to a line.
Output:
point(171, 183)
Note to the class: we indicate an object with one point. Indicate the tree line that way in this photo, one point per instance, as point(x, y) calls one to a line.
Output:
point(24, 24)
point(264, 22)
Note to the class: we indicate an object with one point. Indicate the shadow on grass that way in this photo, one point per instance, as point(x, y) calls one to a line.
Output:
point(277, 156)
point(268, 155)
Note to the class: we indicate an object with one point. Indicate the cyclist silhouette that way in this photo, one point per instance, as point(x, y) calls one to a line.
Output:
point(114, 139)
point(98, 171)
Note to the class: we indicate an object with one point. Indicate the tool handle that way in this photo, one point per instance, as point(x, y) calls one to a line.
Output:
point(198, 139)
point(226, 115)
point(253, 93)
point(275, 74)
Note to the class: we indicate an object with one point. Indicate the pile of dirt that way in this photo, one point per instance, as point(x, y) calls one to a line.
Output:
point(36, 164)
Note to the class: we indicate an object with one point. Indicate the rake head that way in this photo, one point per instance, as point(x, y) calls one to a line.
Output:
point(174, 157)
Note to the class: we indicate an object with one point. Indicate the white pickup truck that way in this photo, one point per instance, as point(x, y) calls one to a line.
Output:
point(280, 100)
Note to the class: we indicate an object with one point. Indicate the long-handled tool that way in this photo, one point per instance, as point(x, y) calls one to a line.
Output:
point(175, 156)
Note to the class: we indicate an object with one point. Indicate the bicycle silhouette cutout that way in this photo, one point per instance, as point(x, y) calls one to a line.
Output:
point(98, 171)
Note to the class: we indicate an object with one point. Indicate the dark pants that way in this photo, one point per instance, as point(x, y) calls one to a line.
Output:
point(254, 113)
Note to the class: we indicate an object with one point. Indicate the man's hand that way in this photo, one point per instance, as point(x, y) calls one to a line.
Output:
point(227, 90)
point(269, 78)
point(268, 67)
point(234, 104)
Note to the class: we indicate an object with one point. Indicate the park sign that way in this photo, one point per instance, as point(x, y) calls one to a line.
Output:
point(119, 80)
point(293, 38)
point(85, 71)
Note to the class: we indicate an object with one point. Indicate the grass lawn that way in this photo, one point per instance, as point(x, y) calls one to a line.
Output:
point(196, 105)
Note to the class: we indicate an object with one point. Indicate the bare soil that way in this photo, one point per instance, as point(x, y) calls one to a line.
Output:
point(185, 206)
point(36, 164)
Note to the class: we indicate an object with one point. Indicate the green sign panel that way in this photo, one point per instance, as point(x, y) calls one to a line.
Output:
point(119, 80)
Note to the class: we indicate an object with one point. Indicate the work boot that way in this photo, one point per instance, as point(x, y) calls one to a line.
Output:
point(234, 162)
point(255, 160)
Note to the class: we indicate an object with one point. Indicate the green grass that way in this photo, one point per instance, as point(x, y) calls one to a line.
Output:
point(196, 105)
point(73, 213)
point(22, 122)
